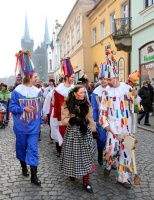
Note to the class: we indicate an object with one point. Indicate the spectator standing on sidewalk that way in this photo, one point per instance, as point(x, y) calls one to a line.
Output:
point(145, 95)
point(4, 93)
point(50, 87)
point(26, 108)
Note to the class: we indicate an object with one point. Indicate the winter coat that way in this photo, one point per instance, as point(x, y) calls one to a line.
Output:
point(145, 95)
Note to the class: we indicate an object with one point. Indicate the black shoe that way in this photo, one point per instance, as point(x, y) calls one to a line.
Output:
point(24, 168)
point(72, 178)
point(100, 161)
point(106, 173)
point(138, 122)
point(88, 188)
point(58, 153)
point(147, 124)
point(34, 178)
point(25, 172)
point(36, 181)
point(114, 167)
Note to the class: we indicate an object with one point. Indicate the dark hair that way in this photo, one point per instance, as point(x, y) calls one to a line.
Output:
point(4, 85)
point(61, 79)
point(65, 78)
point(71, 102)
point(51, 80)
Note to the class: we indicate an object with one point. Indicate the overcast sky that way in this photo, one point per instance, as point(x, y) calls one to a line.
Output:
point(12, 19)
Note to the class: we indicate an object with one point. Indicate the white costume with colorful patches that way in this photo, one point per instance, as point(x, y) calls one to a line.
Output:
point(115, 113)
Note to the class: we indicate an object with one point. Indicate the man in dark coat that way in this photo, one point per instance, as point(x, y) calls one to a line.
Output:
point(145, 95)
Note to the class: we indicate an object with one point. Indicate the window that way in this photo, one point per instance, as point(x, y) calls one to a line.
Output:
point(148, 3)
point(72, 38)
point(68, 43)
point(112, 17)
point(94, 36)
point(50, 64)
point(77, 76)
point(78, 31)
point(125, 11)
point(102, 30)
point(124, 22)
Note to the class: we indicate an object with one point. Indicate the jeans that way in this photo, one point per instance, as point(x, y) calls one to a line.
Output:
point(146, 119)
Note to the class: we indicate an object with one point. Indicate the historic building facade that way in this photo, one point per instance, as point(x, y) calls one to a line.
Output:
point(74, 39)
point(102, 27)
point(143, 38)
point(41, 56)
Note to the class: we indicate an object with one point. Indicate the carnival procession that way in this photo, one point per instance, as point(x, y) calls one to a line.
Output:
point(82, 129)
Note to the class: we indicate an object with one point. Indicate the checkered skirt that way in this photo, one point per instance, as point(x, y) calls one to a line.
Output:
point(78, 151)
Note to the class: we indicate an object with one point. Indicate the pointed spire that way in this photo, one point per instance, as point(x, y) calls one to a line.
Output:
point(46, 34)
point(26, 31)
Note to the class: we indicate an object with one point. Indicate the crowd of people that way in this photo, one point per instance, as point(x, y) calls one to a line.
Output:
point(77, 114)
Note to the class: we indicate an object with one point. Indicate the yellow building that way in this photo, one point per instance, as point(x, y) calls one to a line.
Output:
point(102, 26)
point(75, 41)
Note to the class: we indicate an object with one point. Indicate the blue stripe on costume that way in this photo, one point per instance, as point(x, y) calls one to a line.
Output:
point(101, 141)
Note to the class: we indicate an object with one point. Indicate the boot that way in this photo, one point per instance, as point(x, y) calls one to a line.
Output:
point(39, 139)
point(34, 178)
point(24, 168)
point(58, 149)
point(100, 155)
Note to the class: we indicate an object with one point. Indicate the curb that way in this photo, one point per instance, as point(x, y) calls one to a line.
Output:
point(145, 128)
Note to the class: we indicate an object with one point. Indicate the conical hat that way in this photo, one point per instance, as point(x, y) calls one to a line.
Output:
point(110, 65)
point(24, 63)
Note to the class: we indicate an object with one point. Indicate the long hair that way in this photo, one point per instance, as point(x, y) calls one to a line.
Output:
point(71, 102)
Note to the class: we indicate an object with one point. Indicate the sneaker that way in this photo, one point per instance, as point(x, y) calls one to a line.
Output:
point(88, 188)
point(106, 173)
point(126, 185)
point(147, 124)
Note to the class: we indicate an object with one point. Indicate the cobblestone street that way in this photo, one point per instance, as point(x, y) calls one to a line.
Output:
point(56, 186)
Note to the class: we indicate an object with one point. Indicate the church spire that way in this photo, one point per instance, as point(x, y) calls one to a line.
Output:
point(26, 31)
point(46, 34)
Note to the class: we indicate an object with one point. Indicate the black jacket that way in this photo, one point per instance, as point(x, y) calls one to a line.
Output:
point(145, 95)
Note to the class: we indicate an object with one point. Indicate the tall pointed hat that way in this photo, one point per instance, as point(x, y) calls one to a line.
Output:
point(24, 63)
point(110, 65)
point(67, 68)
point(102, 70)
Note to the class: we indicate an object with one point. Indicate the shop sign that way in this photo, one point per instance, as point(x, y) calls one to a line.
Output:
point(150, 66)
point(147, 53)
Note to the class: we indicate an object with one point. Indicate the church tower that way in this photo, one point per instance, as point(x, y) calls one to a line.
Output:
point(41, 56)
point(26, 42)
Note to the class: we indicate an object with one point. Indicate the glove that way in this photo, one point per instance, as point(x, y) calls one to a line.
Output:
point(79, 121)
point(76, 121)
point(72, 121)
point(83, 129)
point(95, 135)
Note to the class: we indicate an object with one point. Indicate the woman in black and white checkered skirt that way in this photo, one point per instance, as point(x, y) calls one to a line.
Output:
point(78, 149)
